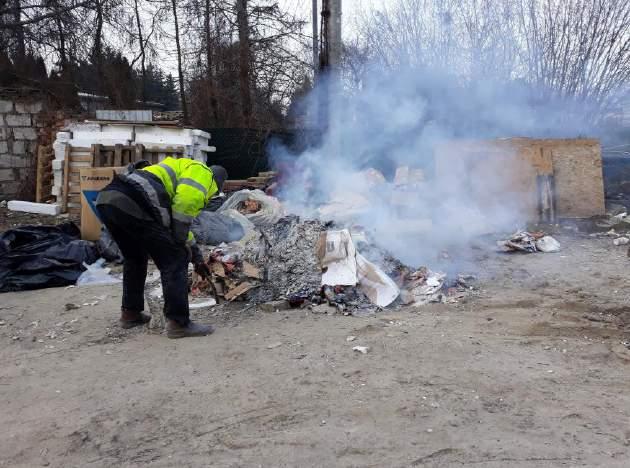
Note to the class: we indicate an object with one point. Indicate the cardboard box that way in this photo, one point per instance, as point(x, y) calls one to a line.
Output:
point(92, 181)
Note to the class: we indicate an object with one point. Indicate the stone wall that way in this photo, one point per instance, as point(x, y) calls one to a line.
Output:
point(19, 124)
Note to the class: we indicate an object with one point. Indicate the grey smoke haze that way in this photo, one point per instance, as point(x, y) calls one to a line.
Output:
point(396, 119)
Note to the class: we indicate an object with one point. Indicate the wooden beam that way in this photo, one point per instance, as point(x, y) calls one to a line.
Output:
point(118, 149)
point(66, 177)
point(40, 175)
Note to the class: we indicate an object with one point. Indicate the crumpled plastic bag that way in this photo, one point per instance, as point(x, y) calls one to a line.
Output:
point(107, 247)
point(548, 244)
point(97, 274)
point(270, 207)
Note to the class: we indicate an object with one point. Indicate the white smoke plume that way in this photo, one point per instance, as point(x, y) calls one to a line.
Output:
point(396, 119)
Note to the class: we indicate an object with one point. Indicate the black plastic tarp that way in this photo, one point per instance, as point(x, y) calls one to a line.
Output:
point(35, 257)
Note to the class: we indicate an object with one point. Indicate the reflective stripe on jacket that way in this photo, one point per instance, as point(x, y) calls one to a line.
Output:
point(188, 184)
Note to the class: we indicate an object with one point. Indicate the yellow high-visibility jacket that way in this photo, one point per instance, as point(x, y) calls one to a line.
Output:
point(189, 185)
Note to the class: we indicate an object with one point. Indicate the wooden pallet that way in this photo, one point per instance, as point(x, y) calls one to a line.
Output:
point(77, 157)
point(122, 155)
point(44, 179)
point(260, 182)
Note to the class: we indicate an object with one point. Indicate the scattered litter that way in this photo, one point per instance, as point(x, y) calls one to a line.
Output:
point(422, 287)
point(96, 274)
point(274, 345)
point(90, 304)
point(351, 338)
point(361, 349)
point(621, 241)
point(529, 242)
point(70, 287)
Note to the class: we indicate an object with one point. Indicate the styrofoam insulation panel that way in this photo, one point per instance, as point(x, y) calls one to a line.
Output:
point(30, 207)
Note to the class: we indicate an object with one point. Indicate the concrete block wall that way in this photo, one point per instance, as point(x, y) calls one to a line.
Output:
point(19, 125)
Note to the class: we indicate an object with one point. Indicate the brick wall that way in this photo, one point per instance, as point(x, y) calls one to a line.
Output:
point(19, 124)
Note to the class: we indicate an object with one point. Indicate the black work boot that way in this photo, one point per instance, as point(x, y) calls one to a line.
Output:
point(176, 330)
point(132, 318)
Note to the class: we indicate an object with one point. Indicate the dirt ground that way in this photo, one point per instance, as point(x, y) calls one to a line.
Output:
point(531, 371)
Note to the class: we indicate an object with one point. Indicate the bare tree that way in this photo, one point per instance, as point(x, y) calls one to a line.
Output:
point(578, 50)
point(244, 60)
point(180, 67)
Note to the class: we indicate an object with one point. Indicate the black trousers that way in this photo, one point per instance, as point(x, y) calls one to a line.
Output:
point(138, 240)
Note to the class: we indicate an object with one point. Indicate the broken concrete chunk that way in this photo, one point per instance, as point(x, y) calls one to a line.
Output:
point(621, 241)
point(38, 208)
point(361, 349)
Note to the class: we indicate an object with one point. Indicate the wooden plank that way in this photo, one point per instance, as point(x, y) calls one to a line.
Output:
point(39, 179)
point(96, 156)
point(81, 149)
point(118, 155)
point(109, 158)
point(238, 290)
point(81, 158)
point(113, 147)
point(138, 153)
point(66, 178)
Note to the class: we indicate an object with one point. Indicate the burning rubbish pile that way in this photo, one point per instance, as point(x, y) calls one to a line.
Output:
point(296, 262)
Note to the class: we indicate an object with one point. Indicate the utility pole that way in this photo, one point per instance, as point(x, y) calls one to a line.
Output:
point(334, 34)
point(330, 46)
point(315, 19)
point(329, 59)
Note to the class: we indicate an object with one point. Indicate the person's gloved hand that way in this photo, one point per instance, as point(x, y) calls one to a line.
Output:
point(202, 269)
point(196, 257)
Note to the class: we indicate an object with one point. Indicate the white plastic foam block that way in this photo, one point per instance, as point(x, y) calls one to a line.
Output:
point(38, 208)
